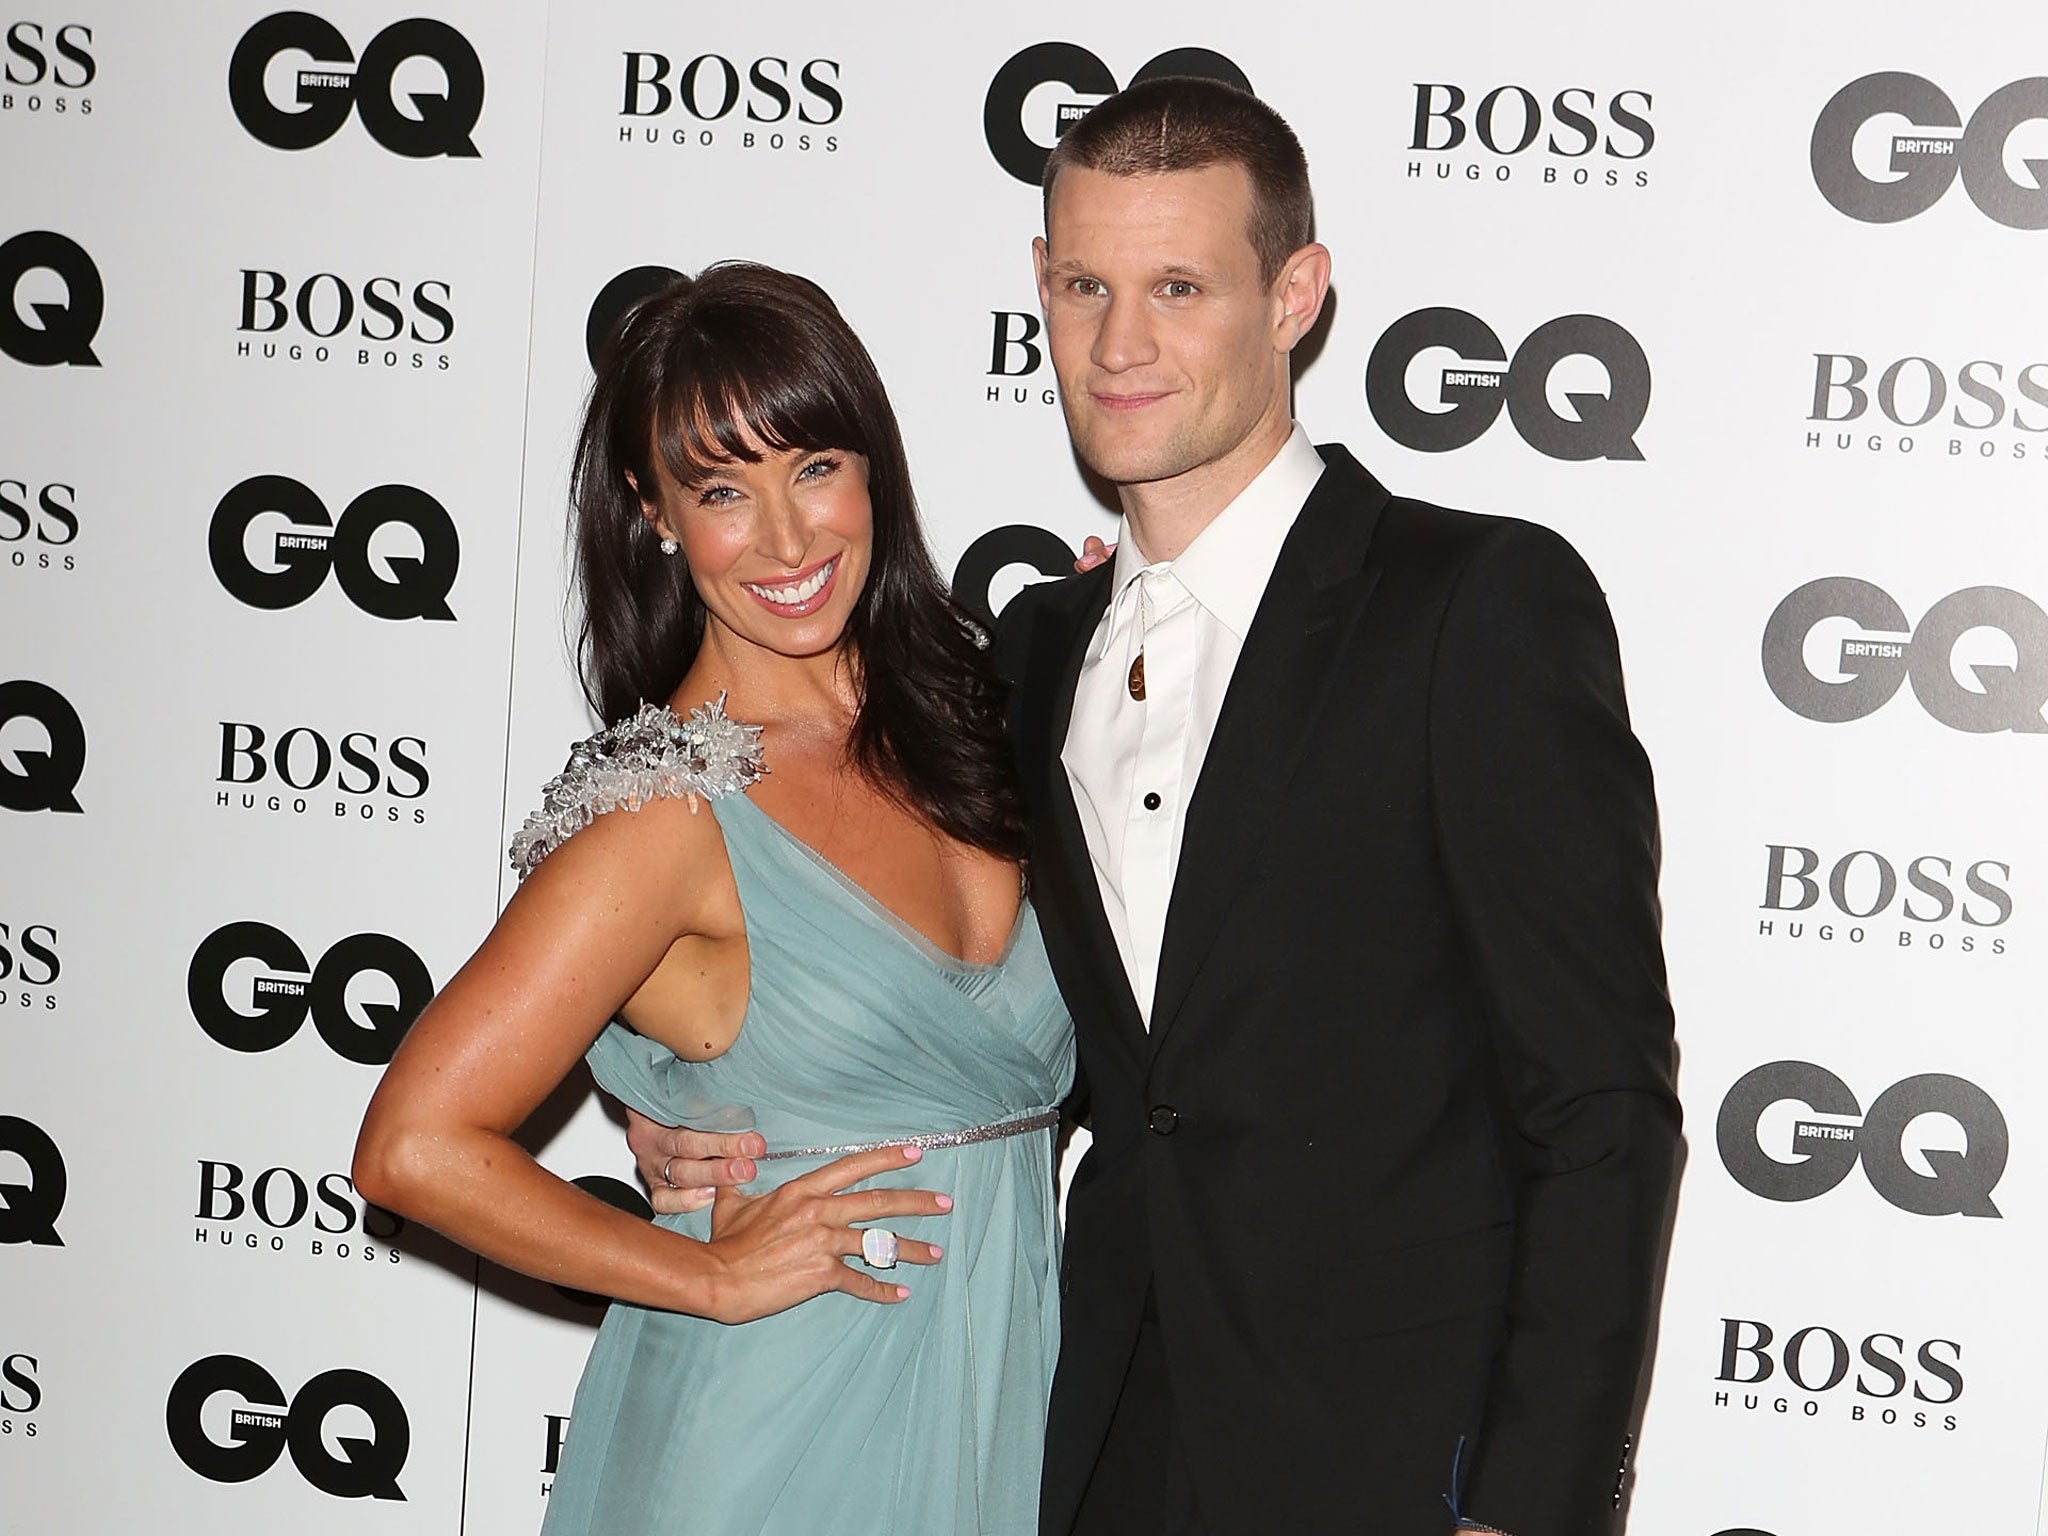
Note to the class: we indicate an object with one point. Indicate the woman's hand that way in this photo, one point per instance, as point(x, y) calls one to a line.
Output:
point(1093, 553)
point(683, 1168)
point(778, 1249)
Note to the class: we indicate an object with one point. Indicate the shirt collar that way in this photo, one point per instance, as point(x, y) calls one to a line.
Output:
point(1227, 566)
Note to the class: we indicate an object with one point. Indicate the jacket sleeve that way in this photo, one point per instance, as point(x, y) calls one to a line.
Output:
point(1548, 830)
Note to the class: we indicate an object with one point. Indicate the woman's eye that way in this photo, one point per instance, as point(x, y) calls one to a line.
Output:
point(818, 469)
point(716, 495)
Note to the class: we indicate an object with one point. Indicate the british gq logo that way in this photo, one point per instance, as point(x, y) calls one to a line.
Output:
point(1986, 408)
point(616, 299)
point(1582, 138)
point(306, 542)
point(42, 748)
point(1881, 649)
point(360, 775)
point(1462, 393)
point(283, 991)
point(378, 322)
point(30, 1204)
point(1809, 1154)
point(263, 1425)
point(1928, 904)
point(337, 83)
point(1910, 170)
point(1880, 1378)
point(1045, 89)
point(38, 523)
point(47, 68)
point(1004, 559)
point(769, 102)
point(64, 294)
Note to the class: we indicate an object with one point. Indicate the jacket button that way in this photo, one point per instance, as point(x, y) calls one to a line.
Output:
point(1163, 1119)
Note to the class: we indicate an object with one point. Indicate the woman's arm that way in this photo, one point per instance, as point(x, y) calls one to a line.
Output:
point(576, 941)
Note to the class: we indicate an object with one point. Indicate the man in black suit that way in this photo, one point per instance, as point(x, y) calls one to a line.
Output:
point(1345, 857)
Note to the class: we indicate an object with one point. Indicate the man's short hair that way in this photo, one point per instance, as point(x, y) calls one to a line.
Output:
point(1185, 123)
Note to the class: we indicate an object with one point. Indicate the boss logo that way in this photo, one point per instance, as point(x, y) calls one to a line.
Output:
point(984, 570)
point(328, 92)
point(63, 328)
point(264, 1425)
point(1864, 884)
point(1022, 103)
point(1510, 119)
point(1923, 162)
point(1883, 650)
point(20, 1392)
point(1818, 1360)
point(43, 777)
point(711, 87)
point(1817, 1154)
point(285, 991)
point(1470, 390)
point(28, 958)
point(29, 1210)
point(616, 299)
point(325, 305)
point(312, 542)
point(283, 1199)
point(304, 759)
point(44, 65)
point(38, 519)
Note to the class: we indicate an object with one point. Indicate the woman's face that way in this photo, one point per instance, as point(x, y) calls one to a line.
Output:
point(778, 549)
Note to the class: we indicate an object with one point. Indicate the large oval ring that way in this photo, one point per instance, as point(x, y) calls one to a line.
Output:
point(878, 1248)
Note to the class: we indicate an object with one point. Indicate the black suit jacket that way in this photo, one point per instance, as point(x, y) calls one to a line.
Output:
point(1395, 1156)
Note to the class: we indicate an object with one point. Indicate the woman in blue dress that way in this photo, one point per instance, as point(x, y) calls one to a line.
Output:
point(782, 889)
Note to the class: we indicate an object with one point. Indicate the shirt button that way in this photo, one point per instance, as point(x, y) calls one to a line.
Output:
point(1163, 1119)
point(1152, 801)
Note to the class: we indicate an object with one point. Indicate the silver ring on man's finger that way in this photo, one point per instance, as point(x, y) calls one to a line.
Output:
point(878, 1248)
point(671, 1183)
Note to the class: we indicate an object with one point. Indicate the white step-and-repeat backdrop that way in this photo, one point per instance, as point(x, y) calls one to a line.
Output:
point(294, 317)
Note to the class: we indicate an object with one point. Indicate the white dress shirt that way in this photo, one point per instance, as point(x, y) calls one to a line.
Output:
point(1133, 763)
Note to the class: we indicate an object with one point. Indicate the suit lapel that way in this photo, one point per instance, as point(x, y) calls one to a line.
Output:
point(1320, 584)
point(1063, 868)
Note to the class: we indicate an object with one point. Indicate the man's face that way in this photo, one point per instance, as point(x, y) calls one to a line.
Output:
point(1170, 351)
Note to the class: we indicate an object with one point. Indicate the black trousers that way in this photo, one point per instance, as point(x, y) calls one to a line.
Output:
point(1140, 1485)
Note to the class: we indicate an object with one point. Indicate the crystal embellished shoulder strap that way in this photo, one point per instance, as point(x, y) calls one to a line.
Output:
point(653, 755)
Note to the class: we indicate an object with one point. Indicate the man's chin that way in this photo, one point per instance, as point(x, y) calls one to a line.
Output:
point(1131, 463)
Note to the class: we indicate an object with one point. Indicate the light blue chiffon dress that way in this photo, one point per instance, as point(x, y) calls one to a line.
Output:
point(839, 1417)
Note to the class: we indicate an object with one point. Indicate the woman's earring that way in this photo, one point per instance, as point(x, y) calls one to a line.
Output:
point(668, 546)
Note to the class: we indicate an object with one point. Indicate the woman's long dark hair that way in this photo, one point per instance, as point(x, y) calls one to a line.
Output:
point(691, 374)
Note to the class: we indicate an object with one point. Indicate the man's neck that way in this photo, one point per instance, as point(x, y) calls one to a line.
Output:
point(1166, 516)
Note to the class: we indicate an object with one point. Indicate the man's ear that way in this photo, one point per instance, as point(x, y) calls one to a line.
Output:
point(1038, 259)
point(1302, 286)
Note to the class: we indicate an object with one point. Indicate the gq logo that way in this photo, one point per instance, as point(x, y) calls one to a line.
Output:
point(1823, 1151)
point(265, 1427)
point(325, 94)
point(998, 550)
point(2007, 698)
point(64, 329)
point(617, 299)
point(28, 1212)
point(286, 990)
point(1471, 391)
point(1087, 80)
point(1924, 160)
point(42, 778)
point(313, 542)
